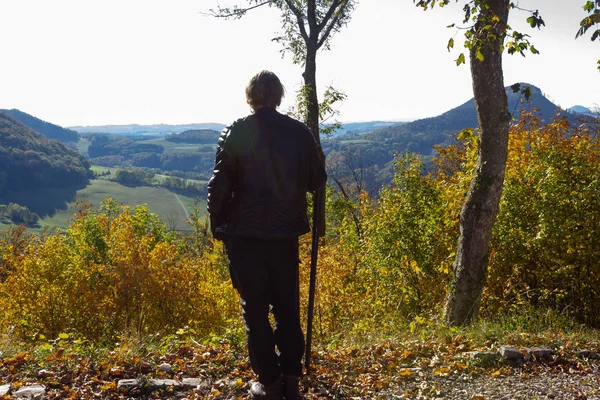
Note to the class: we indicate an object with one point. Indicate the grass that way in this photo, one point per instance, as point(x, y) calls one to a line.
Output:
point(98, 169)
point(83, 145)
point(160, 200)
point(159, 177)
point(527, 327)
point(172, 147)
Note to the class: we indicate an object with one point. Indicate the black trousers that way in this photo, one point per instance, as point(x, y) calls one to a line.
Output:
point(265, 272)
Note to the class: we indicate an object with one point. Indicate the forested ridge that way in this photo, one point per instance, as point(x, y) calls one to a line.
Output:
point(49, 130)
point(374, 152)
point(30, 160)
point(202, 136)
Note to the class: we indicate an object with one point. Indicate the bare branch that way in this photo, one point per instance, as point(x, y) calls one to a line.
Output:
point(341, 187)
point(233, 13)
point(330, 27)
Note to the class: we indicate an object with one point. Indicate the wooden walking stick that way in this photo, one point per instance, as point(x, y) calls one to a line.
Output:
point(317, 231)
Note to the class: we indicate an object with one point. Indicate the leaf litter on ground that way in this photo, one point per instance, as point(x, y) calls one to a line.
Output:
point(402, 369)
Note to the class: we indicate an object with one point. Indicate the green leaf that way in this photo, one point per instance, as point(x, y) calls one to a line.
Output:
point(460, 59)
point(531, 21)
point(465, 134)
point(589, 6)
point(516, 87)
point(450, 44)
point(479, 55)
point(533, 50)
point(63, 336)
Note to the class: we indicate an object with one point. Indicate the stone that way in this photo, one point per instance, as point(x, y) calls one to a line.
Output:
point(4, 389)
point(154, 384)
point(536, 353)
point(589, 354)
point(510, 353)
point(30, 392)
point(191, 383)
point(43, 373)
point(483, 355)
point(130, 383)
point(166, 368)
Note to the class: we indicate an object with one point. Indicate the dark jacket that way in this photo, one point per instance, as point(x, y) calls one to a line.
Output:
point(265, 165)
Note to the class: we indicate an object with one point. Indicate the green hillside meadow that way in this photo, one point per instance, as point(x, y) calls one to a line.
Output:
point(160, 200)
point(175, 147)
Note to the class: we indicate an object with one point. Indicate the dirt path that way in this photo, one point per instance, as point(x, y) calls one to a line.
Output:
point(187, 214)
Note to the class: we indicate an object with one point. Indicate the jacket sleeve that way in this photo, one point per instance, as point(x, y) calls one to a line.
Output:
point(220, 185)
point(317, 175)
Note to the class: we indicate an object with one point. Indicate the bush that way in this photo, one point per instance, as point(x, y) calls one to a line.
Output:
point(133, 177)
point(19, 214)
point(115, 269)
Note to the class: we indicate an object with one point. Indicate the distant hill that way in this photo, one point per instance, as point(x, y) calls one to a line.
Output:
point(200, 136)
point(154, 130)
point(376, 150)
point(421, 135)
point(47, 129)
point(579, 110)
point(31, 164)
point(363, 127)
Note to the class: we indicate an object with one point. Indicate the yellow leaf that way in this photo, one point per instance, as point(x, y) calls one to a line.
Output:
point(404, 372)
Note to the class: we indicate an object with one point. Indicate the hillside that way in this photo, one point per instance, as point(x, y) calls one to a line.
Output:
point(198, 136)
point(375, 150)
point(31, 164)
point(421, 135)
point(47, 129)
point(362, 127)
point(579, 110)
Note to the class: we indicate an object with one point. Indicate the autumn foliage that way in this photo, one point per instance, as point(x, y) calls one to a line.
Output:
point(384, 266)
point(115, 269)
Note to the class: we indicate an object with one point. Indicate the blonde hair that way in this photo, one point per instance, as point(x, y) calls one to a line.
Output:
point(264, 89)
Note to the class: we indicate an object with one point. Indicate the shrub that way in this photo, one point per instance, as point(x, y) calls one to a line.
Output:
point(115, 269)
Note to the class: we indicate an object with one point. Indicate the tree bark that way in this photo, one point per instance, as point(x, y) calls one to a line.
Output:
point(312, 115)
point(481, 205)
point(310, 81)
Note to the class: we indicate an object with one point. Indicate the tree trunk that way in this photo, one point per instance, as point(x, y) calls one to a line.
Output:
point(310, 81)
point(312, 118)
point(481, 205)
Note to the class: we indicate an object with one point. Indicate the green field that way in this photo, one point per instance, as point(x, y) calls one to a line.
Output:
point(159, 177)
point(83, 145)
point(172, 147)
point(98, 169)
point(160, 200)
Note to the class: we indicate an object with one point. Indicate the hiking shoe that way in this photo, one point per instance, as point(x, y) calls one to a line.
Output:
point(290, 387)
point(272, 391)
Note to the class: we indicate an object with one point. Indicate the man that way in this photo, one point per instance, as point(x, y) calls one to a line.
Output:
point(265, 165)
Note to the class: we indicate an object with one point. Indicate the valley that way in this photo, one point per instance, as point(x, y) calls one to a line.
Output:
point(167, 166)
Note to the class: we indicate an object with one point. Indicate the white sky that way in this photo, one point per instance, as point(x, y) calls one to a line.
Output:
point(89, 62)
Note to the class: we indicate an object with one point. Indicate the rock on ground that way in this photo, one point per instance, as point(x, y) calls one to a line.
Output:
point(30, 392)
